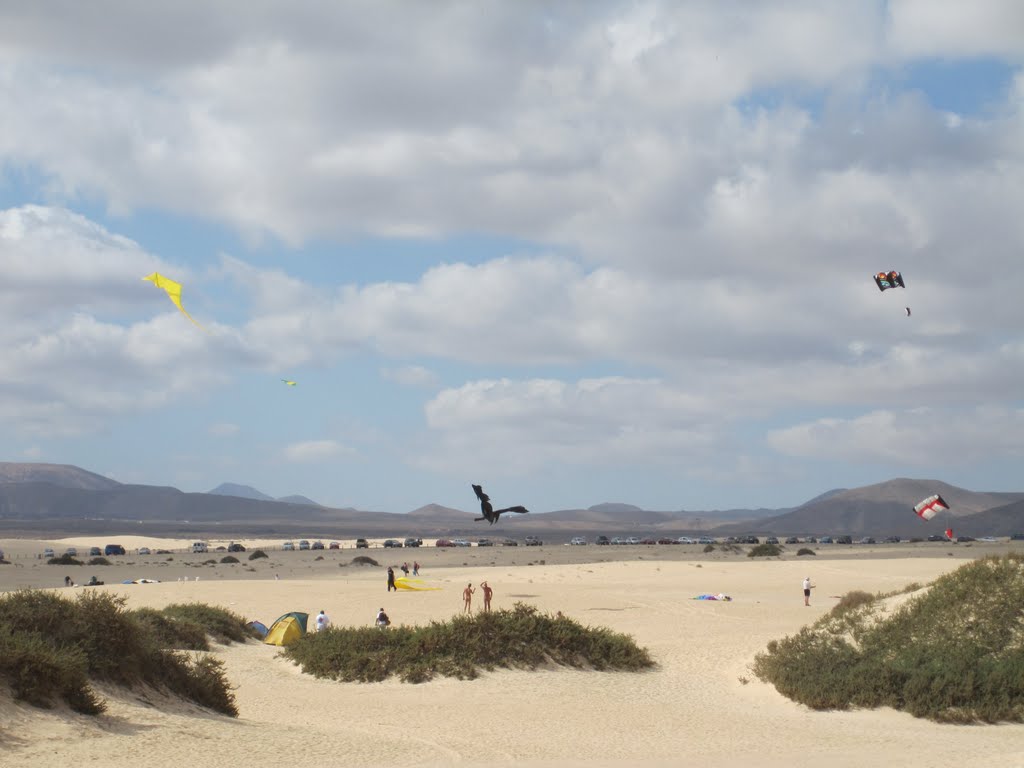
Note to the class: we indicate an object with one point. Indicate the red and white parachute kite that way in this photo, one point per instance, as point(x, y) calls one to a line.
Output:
point(927, 508)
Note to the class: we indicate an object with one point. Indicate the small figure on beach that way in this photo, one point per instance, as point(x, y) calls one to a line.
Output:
point(415, 568)
point(405, 569)
point(382, 619)
point(67, 581)
point(807, 590)
point(391, 579)
point(467, 598)
point(322, 622)
point(487, 594)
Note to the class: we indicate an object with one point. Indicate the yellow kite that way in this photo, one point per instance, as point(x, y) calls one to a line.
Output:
point(173, 292)
point(417, 585)
point(289, 382)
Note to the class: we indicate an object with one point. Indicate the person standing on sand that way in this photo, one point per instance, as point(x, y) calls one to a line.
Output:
point(391, 579)
point(415, 568)
point(322, 622)
point(487, 595)
point(467, 597)
point(807, 590)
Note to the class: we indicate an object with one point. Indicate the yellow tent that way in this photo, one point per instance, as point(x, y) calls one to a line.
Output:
point(287, 629)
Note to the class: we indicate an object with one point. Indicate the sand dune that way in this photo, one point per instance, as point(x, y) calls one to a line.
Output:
point(700, 705)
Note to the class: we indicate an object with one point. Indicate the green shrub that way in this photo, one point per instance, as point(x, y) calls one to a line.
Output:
point(52, 648)
point(63, 560)
point(516, 638)
point(805, 551)
point(364, 560)
point(952, 654)
point(99, 561)
point(220, 623)
point(709, 548)
point(258, 554)
point(228, 559)
point(173, 632)
point(765, 550)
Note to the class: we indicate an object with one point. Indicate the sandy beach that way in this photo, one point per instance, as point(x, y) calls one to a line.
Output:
point(700, 705)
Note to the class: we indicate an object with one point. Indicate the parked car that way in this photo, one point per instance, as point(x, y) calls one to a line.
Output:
point(937, 537)
point(334, 545)
point(705, 540)
point(95, 551)
point(866, 540)
point(412, 542)
point(48, 553)
point(892, 539)
point(288, 546)
point(1017, 537)
point(200, 547)
point(578, 541)
point(825, 540)
point(771, 540)
point(602, 540)
point(648, 540)
point(844, 539)
point(113, 549)
point(461, 543)
point(443, 543)
point(964, 539)
point(317, 545)
point(145, 551)
point(234, 547)
point(633, 540)
point(792, 540)
point(304, 545)
point(362, 544)
point(684, 540)
point(484, 543)
point(533, 541)
point(71, 552)
point(666, 540)
point(392, 544)
point(510, 543)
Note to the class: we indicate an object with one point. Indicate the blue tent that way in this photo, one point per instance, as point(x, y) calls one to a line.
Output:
point(259, 626)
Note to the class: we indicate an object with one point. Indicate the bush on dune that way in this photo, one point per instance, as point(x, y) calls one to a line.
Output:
point(517, 638)
point(52, 648)
point(952, 654)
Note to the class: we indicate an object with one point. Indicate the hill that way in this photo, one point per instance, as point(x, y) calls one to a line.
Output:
point(241, 491)
point(882, 509)
point(64, 475)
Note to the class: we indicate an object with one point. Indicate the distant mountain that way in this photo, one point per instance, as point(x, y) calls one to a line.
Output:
point(248, 492)
point(297, 499)
point(883, 509)
point(437, 512)
point(241, 491)
point(62, 475)
point(1000, 521)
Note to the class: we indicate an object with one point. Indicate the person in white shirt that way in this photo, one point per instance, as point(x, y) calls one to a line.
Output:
point(807, 590)
point(382, 619)
point(322, 622)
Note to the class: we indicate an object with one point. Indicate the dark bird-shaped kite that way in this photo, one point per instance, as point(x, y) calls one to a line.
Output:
point(491, 515)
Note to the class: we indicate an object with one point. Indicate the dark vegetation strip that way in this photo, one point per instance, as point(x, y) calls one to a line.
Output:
point(519, 638)
point(954, 654)
point(51, 649)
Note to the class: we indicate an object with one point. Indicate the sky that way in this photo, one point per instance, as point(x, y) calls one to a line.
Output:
point(576, 252)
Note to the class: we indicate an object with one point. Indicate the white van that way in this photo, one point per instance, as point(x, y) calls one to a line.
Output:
point(199, 546)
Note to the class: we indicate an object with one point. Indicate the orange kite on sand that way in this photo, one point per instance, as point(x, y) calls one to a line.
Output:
point(173, 290)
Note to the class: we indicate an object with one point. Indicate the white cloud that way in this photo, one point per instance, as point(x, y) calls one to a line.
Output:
point(923, 437)
point(315, 451)
point(411, 376)
point(948, 28)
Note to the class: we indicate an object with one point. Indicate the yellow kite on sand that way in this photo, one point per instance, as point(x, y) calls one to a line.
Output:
point(173, 290)
point(417, 585)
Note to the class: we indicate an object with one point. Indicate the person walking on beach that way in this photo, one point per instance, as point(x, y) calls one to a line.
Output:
point(322, 622)
point(807, 590)
point(405, 569)
point(415, 568)
point(487, 595)
point(391, 579)
point(467, 598)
